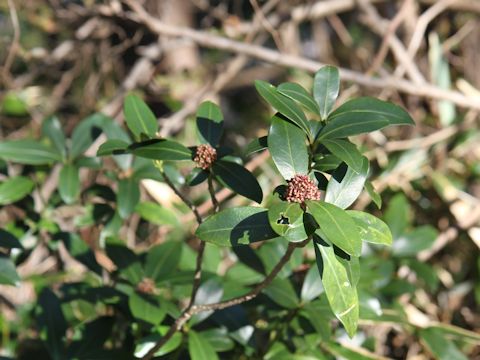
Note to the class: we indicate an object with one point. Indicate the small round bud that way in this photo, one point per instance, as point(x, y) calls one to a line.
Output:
point(205, 156)
point(146, 286)
point(301, 188)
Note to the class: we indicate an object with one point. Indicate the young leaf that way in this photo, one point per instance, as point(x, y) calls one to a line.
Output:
point(160, 149)
point(346, 151)
point(287, 145)
point(344, 192)
point(128, 196)
point(113, 147)
point(337, 225)
point(326, 85)
point(283, 104)
point(69, 183)
point(53, 130)
point(286, 219)
point(8, 273)
point(298, 93)
point(139, 118)
point(209, 123)
point(374, 195)
point(372, 229)
point(162, 260)
point(398, 215)
point(363, 115)
point(199, 348)
point(236, 226)
point(238, 179)
point(28, 152)
point(312, 285)
point(145, 308)
point(14, 189)
point(341, 295)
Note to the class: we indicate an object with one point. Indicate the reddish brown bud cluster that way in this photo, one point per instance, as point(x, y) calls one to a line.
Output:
point(205, 156)
point(301, 188)
point(146, 286)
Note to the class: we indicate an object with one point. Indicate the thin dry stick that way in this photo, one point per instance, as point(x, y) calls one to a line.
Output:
point(218, 42)
point(15, 42)
point(195, 309)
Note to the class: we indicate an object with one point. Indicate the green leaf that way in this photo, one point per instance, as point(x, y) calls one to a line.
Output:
point(326, 162)
point(326, 85)
point(162, 260)
point(146, 308)
point(439, 346)
point(197, 176)
point(236, 226)
point(372, 229)
point(337, 225)
point(312, 285)
point(28, 152)
point(52, 324)
point(52, 128)
point(398, 215)
point(411, 243)
point(156, 214)
point(199, 348)
point(128, 196)
point(341, 295)
point(346, 151)
point(209, 123)
point(298, 93)
point(218, 339)
point(286, 143)
point(160, 149)
point(282, 292)
point(85, 133)
point(256, 145)
point(9, 241)
point(126, 261)
point(344, 192)
point(238, 179)
point(374, 195)
point(139, 118)
point(283, 104)
point(286, 219)
point(14, 189)
point(113, 147)
point(146, 344)
point(8, 273)
point(69, 183)
point(363, 115)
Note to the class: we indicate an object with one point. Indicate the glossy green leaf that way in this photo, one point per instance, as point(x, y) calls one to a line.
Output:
point(156, 214)
point(287, 145)
point(439, 346)
point(28, 152)
point(286, 219)
point(197, 176)
point(52, 128)
point(256, 145)
point(69, 183)
point(139, 118)
point(337, 225)
point(209, 123)
point(160, 149)
point(8, 273)
point(146, 344)
point(14, 189)
point(350, 263)
point(199, 348)
point(282, 293)
point(363, 115)
point(238, 179)
point(162, 260)
point(283, 104)
point(326, 85)
point(411, 243)
point(218, 339)
point(346, 151)
point(128, 196)
point(85, 133)
point(312, 285)
point(341, 295)
point(326, 162)
point(344, 192)
point(113, 147)
point(374, 195)
point(371, 228)
point(236, 226)
point(9, 241)
point(146, 308)
point(298, 93)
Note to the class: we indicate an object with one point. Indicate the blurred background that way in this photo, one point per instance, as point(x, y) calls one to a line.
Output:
point(73, 58)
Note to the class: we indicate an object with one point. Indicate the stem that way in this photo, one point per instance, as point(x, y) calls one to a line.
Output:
point(195, 309)
point(211, 190)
